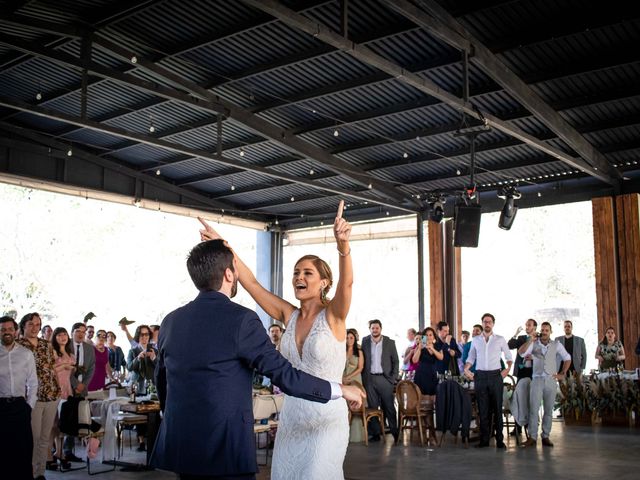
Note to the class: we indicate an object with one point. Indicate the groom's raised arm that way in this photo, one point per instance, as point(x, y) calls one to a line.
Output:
point(255, 347)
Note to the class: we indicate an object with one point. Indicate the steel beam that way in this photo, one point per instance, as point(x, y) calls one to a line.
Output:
point(176, 148)
point(448, 29)
point(214, 104)
point(369, 57)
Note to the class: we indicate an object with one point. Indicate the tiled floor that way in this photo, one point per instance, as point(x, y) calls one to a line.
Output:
point(579, 452)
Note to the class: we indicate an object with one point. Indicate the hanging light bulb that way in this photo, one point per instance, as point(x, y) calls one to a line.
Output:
point(233, 187)
point(370, 186)
point(293, 198)
point(39, 95)
point(336, 133)
point(458, 171)
point(539, 194)
point(69, 152)
point(405, 155)
point(152, 128)
point(311, 172)
point(158, 172)
point(134, 59)
point(242, 152)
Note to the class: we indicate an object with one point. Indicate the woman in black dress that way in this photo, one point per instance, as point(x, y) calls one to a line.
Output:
point(425, 355)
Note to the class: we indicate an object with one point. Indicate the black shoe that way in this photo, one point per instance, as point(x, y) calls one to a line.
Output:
point(141, 447)
point(72, 458)
point(374, 438)
point(514, 432)
point(482, 445)
point(395, 437)
point(501, 446)
point(40, 477)
point(51, 465)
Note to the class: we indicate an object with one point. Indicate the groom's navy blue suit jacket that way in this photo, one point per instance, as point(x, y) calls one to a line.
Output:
point(207, 352)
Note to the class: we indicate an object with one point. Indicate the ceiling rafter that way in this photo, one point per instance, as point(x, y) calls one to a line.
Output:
point(117, 167)
point(444, 26)
point(602, 171)
point(176, 148)
point(213, 104)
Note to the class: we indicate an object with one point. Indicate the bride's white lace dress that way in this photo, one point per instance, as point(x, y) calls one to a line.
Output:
point(312, 437)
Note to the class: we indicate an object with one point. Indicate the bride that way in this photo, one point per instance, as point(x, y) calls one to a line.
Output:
point(312, 437)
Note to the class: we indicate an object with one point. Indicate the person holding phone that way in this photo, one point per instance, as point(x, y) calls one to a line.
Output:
point(426, 354)
point(141, 362)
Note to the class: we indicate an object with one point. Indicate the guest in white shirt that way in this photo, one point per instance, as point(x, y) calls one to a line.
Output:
point(486, 351)
point(18, 395)
point(544, 382)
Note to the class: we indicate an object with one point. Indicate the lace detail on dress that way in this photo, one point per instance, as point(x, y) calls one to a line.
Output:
point(312, 437)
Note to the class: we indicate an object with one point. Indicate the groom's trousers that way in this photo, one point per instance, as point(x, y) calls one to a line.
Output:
point(380, 394)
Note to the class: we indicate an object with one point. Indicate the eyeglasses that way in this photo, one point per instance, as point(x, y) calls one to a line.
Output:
point(145, 334)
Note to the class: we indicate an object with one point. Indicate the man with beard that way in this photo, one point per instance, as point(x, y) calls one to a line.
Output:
point(547, 354)
point(275, 334)
point(575, 348)
point(379, 375)
point(486, 351)
point(207, 351)
point(17, 378)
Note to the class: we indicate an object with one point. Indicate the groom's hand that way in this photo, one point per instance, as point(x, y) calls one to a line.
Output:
point(354, 395)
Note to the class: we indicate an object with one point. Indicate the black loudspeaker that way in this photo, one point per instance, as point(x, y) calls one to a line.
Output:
point(467, 225)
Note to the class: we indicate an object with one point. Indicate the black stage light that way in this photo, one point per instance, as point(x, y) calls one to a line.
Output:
point(509, 210)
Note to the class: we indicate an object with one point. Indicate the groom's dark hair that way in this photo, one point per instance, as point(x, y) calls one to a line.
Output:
point(207, 263)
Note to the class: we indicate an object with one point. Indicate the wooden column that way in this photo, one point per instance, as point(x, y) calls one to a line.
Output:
point(605, 249)
point(436, 272)
point(616, 231)
point(628, 223)
point(445, 277)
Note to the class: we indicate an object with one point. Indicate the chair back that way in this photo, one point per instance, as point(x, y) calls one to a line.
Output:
point(408, 395)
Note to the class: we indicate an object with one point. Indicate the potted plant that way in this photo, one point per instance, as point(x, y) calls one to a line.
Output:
point(573, 401)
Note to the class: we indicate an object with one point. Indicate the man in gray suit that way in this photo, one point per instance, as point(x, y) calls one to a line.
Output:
point(85, 366)
point(379, 376)
point(574, 347)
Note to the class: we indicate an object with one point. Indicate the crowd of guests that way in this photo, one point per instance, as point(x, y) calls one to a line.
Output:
point(483, 357)
point(41, 366)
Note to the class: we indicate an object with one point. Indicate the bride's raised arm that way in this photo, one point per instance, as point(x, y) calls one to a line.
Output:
point(275, 306)
point(341, 302)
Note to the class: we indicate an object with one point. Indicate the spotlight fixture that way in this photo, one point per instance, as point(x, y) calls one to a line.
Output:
point(509, 210)
point(436, 207)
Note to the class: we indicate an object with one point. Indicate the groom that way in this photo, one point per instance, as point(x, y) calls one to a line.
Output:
point(207, 351)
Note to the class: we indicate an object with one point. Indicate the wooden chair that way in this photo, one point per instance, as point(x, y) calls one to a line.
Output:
point(367, 414)
point(411, 406)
